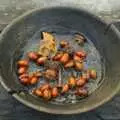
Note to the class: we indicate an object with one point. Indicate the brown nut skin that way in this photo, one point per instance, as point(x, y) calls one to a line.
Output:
point(64, 44)
point(33, 80)
point(23, 63)
point(32, 55)
point(65, 58)
point(41, 60)
point(77, 58)
point(79, 65)
point(81, 82)
point(25, 75)
point(81, 92)
point(69, 64)
point(57, 57)
point(47, 94)
point(54, 92)
point(86, 75)
point(65, 88)
point(45, 86)
point(22, 70)
point(72, 81)
point(81, 54)
point(38, 92)
point(25, 81)
point(93, 74)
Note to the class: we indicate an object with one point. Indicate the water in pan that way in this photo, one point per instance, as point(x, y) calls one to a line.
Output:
point(93, 61)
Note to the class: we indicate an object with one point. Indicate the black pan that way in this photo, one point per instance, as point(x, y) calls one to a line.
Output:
point(105, 38)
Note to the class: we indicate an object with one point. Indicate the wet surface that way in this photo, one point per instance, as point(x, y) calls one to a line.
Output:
point(93, 61)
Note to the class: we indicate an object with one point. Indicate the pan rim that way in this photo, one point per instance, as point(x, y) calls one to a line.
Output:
point(49, 110)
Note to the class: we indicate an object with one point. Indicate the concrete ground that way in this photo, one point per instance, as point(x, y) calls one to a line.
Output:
point(10, 109)
point(10, 9)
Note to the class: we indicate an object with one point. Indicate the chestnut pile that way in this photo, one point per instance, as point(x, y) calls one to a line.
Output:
point(64, 58)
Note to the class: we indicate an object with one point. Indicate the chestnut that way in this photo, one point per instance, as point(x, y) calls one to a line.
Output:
point(45, 86)
point(47, 94)
point(79, 65)
point(22, 70)
point(72, 81)
point(69, 64)
point(54, 92)
point(80, 82)
point(64, 58)
point(93, 74)
point(65, 88)
point(23, 63)
point(33, 80)
point(38, 92)
point(41, 60)
point(32, 55)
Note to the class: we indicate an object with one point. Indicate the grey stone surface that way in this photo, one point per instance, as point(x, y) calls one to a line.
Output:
point(10, 109)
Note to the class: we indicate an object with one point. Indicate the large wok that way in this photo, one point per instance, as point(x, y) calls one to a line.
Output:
point(105, 37)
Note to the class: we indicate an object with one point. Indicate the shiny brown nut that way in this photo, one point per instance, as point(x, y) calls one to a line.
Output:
point(81, 82)
point(79, 65)
point(77, 58)
point(41, 60)
point(81, 92)
point(86, 75)
point(22, 70)
point(54, 92)
point(23, 63)
point(58, 56)
point(64, 44)
point(32, 55)
point(25, 75)
point(47, 94)
point(25, 81)
point(38, 92)
point(50, 74)
point(93, 74)
point(45, 86)
point(65, 88)
point(69, 64)
point(81, 54)
point(72, 82)
point(33, 80)
point(64, 58)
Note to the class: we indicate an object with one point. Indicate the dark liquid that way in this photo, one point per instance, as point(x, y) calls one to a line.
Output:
point(93, 61)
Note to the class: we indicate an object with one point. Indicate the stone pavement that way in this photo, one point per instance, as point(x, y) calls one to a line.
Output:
point(10, 109)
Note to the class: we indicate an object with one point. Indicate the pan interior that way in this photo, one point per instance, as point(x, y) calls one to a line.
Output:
point(94, 60)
